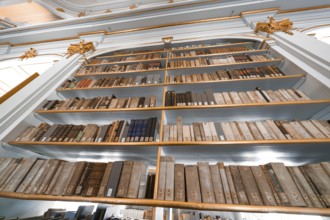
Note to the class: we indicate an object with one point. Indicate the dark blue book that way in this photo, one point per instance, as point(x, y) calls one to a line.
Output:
point(153, 129)
point(144, 130)
point(148, 130)
point(137, 130)
point(130, 131)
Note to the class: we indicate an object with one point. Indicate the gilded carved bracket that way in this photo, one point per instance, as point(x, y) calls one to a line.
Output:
point(273, 26)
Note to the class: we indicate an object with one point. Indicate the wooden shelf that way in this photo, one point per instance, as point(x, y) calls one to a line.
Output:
point(126, 72)
point(172, 204)
point(219, 54)
point(210, 46)
point(128, 61)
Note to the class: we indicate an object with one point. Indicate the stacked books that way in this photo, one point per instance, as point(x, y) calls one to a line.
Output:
point(111, 81)
point(210, 51)
point(272, 184)
point(209, 97)
point(137, 130)
point(118, 68)
point(108, 102)
point(137, 57)
point(226, 59)
point(120, 179)
point(265, 71)
point(246, 130)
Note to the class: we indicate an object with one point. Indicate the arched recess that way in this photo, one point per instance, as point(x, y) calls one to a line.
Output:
point(160, 44)
point(320, 32)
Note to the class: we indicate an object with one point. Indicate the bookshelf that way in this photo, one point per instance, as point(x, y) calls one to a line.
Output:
point(294, 151)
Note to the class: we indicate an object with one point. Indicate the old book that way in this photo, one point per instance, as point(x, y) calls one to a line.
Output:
point(213, 131)
point(118, 131)
point(264, 187)
point(276, 129)
point(263, 131)
point(326, 167)
point(269, 130)
point(186, 133)
point(219, 99)
point(51, 173)
point(179, 183)
point(320, 179)
point(244, 97)
point(217, 184)
point(250, 185)
point(238, 184)
point(124, 179)
point(18, 174)
point(55, 178)
point(201, 129)
point(300, 187)
point(114, 178)
point(83, 178)
point(142, 193)
point(161, 178)
point(323, 126)
point(210, 97)
point(227, 98)
point(228, 132)
point(134, 183)
point(105, 180)
point(74, 180)
point(235, 97)
point(36, 181)
point(312, 129)
point(219, 131)
point(179, 126)
point(28, 178)
point(169, 181)
point(272, 183)
point(94, 178)
point(130, 131)
point(225, 184)
point(193, 188)
point(206, 182)
point(290, 129)
point(207, 131)
point(192, 134)
point(63, 180)
point(153, 128)
point(289, 188)
point(231, 185)
point(300, 129)
point(245, 131)
point(166, 133)
point(237, 134)
point(197, 132)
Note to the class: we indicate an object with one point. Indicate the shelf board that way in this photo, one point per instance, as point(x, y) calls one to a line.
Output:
point(131, 54)
point(127, 61)
point(115, 73)
point(112, 87)
point(211, 46)
point(219, 54)
point(173, 204)
point(230, 65)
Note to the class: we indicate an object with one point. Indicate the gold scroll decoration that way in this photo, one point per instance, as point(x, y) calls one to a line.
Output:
point(273, 26)
point(29, 54)
point(80, 48)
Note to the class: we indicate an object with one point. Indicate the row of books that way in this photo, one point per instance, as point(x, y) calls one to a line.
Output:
point(245, 73)
point(228, 59)
point(200, 46)
point(120, 179)
point(139, 57)
point(196, 215)
point(246, 130)
point(272, 184)
point(139, 130)
point(85, 212)
point(107, 102)
point(105, 69)
point(220, 98)
point(211, 51)
point(111, 81)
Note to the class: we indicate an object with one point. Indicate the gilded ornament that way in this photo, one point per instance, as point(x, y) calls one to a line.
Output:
point(29, 54)
point(273, 26)
point(80, 48)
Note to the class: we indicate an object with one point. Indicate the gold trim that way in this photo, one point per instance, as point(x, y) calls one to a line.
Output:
point(91, 33)
point(259, 11)
point(172, 204)
point(303, 9)
point(60, 10)
point(81, 14)
point(29, 54)
point(317, 26)
point(14, 90)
